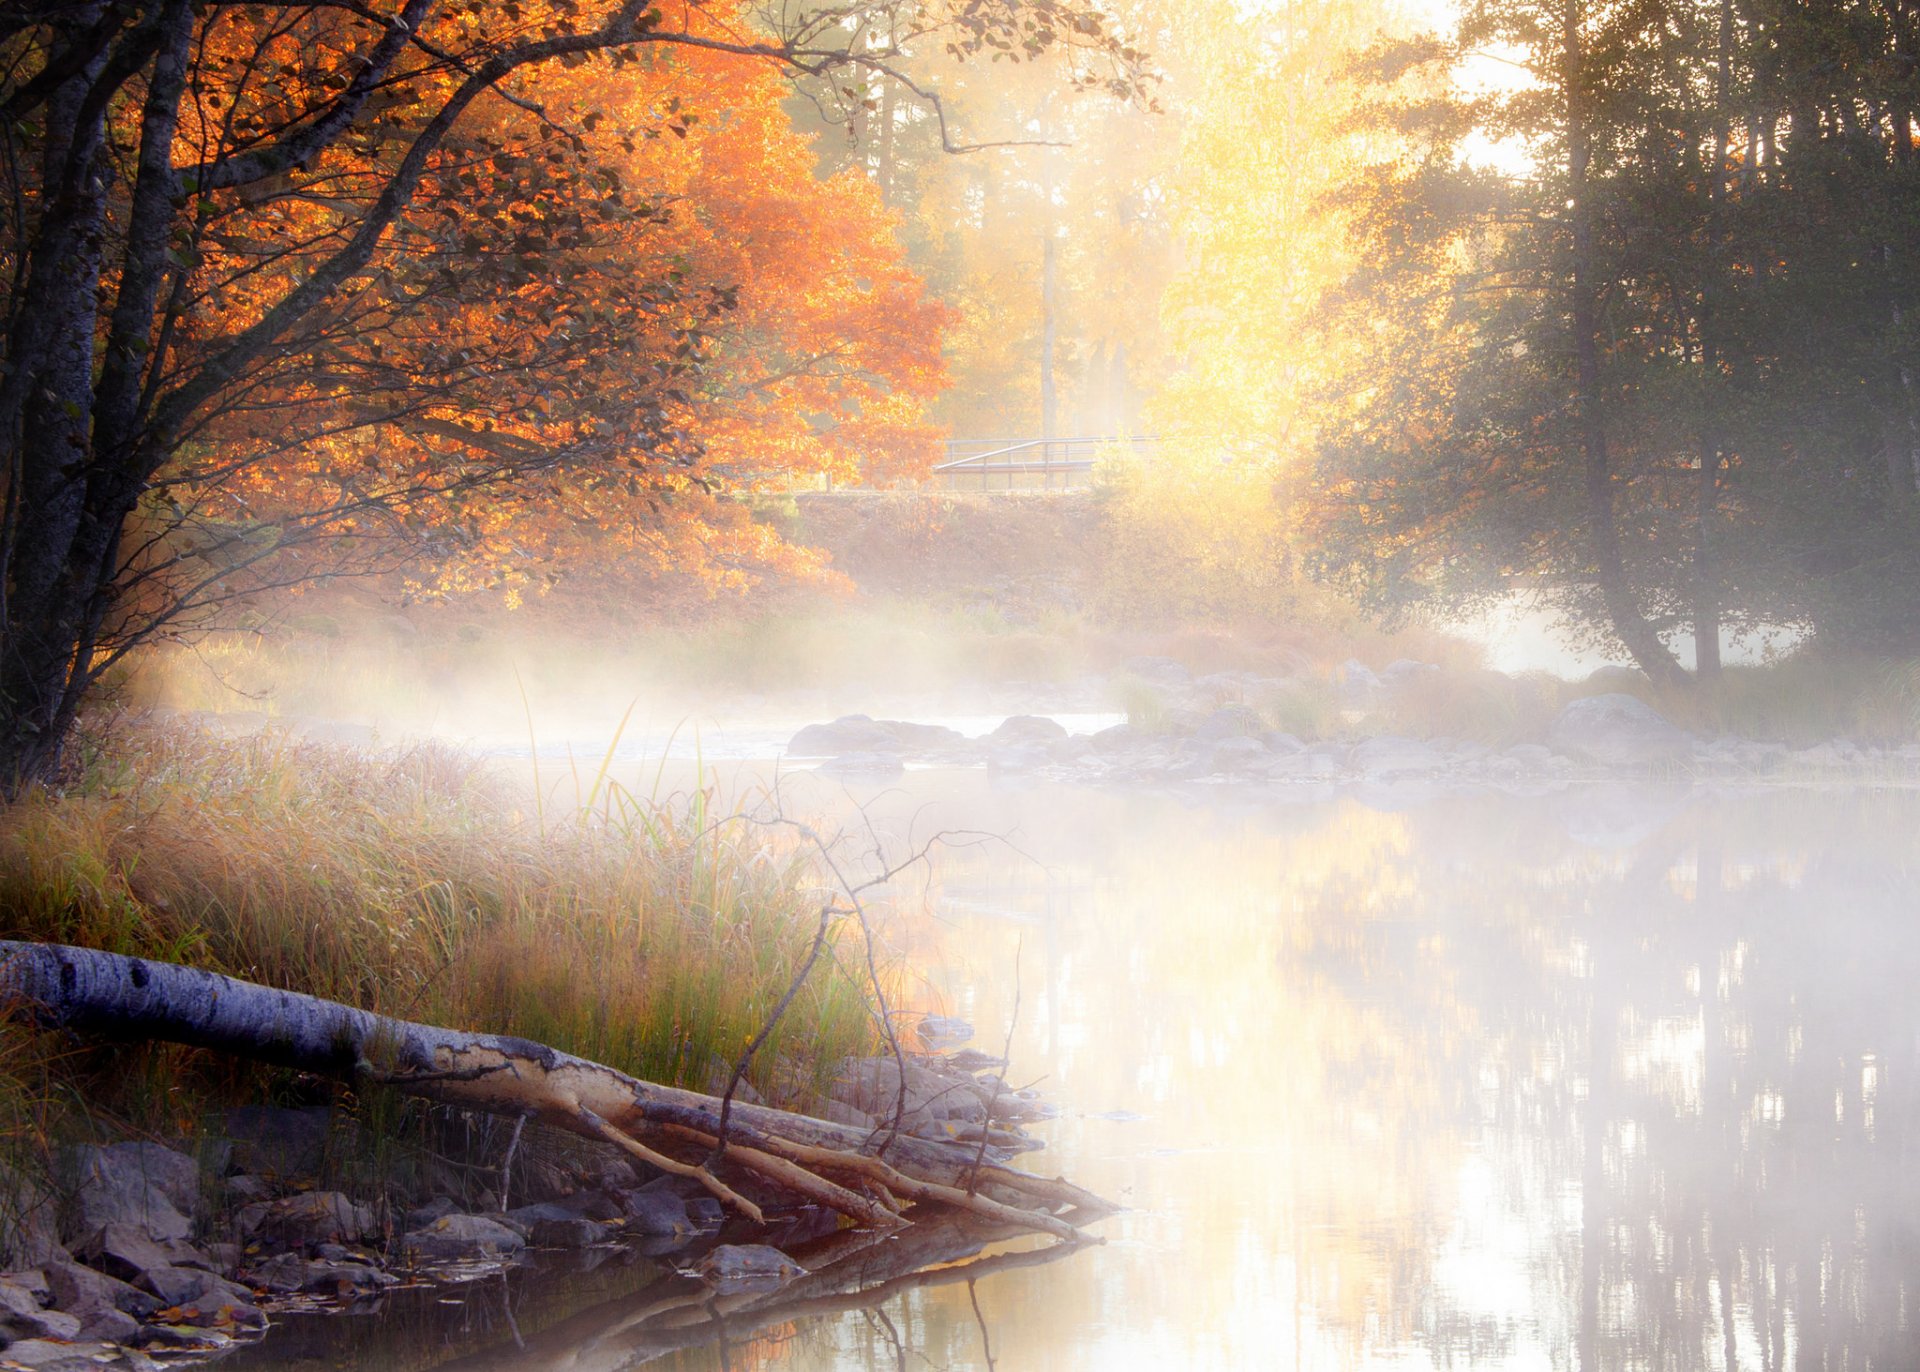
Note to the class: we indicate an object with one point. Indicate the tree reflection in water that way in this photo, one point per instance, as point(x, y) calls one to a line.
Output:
point(1613, 1078)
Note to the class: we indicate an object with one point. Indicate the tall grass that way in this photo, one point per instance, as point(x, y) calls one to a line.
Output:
point(645, 933)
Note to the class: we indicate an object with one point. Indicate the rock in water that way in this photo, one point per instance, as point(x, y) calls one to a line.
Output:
point(747, 1267)
point(1619, 731)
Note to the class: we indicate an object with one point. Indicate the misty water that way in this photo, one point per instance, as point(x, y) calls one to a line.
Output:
point(1618, 1076)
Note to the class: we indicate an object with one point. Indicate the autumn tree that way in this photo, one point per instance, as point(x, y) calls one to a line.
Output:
point(353, 235)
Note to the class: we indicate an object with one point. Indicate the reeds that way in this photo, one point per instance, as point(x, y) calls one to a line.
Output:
point(649, 933)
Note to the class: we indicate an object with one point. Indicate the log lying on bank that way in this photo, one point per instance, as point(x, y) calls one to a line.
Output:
point(873, 1181)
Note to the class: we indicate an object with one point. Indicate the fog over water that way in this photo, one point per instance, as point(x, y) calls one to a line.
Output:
point(1615, 1076)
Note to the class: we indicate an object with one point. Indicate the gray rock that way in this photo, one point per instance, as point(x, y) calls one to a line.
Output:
point(244, 1188)
point(182, 1285)
point(1404, 669)
point(462, 1236)
point(140, 1184)
point(422, 1216)
point(38, 1355)
point(844, 736)
point(1617, 730)
point(90, 1295)
point(345, 1279)
point(943, 1031)
point(29, 1220)
point(839, 1112)
point(1017, 757)
point(1388, 758)
point(567, 1233)
point(1355, 678)
point(281, 1274)
point(658, 1210)
point(277, 1143)
point(123, 1250)
point(315, 1217)
point(1027, 729)
point(1231, 721)
point(217, 1308)
point(1118, 738)
point(747, 1267)
point(924, 738)
point(22, 1318)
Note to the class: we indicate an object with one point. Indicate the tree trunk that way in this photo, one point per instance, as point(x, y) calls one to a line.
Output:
point(1610, 573)
point(678, 1131)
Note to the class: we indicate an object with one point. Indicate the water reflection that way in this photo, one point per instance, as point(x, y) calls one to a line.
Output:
point(1604, 1079)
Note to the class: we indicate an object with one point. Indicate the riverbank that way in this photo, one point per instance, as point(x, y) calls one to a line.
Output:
point(160, 1197)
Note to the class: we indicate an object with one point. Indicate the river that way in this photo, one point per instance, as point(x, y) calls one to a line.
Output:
point(1616, 1076)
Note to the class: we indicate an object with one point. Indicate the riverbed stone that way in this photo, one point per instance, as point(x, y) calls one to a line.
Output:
point(91, 1295)
point(736, 1267)
point(141, 1184)
point(846, 736)
point(462, 1236)
point(1617, 730)
point(658, 1209)
point(567, 1233)
point(21, 1317)
point(278, 1143)
point(1230, 721)
point(43, 1355)
point(1390, 758)
point(125, 1251)
point(1027, 729)
point(314, 1217)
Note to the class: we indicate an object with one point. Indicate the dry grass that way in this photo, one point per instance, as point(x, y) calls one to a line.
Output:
point(650, 935)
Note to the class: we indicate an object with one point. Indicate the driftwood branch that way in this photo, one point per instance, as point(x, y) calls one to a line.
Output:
point(88, 991)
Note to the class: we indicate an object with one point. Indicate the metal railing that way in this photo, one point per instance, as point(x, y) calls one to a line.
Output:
point(1065, 461)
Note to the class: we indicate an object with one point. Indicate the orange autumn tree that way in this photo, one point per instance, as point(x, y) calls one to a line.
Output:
point(295, 290)
point(771, 322)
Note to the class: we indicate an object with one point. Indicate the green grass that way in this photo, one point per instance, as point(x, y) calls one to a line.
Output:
point(650, 935)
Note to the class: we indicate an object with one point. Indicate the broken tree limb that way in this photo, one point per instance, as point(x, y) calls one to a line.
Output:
point(89, 991)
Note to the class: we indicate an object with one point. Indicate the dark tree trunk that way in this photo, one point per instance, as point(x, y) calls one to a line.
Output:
point(1610, 573)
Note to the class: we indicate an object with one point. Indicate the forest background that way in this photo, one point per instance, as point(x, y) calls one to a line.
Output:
point(1603, 303)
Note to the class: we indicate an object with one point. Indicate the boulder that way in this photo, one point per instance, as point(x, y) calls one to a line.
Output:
point(454, 1237)
point(186, 1286)
point(29, 1220)
point(567, 1233)
point(107, 1309)
point(1404, 669)
point(315, 1217)
point(39, 1355)
point(1230, 721)
point(734, 1267)
point(1356, 680)
point(1027, 729)
point(1617, 731)
point(924, 738)
point(846, 735)
point(1389, 758)
point(143, 1185)
point(657, 1209)
point(21, 1317)
point(943, 1031)
point(277, 1143)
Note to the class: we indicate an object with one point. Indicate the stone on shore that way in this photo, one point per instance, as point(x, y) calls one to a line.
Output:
point(1617, 730)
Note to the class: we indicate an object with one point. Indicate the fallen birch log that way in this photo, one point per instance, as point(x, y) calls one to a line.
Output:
point(114, 996)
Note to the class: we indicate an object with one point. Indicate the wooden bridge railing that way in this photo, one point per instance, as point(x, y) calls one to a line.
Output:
point(1065, 461)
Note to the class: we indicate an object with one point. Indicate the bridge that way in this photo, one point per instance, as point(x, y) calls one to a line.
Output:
point(1062, 461)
